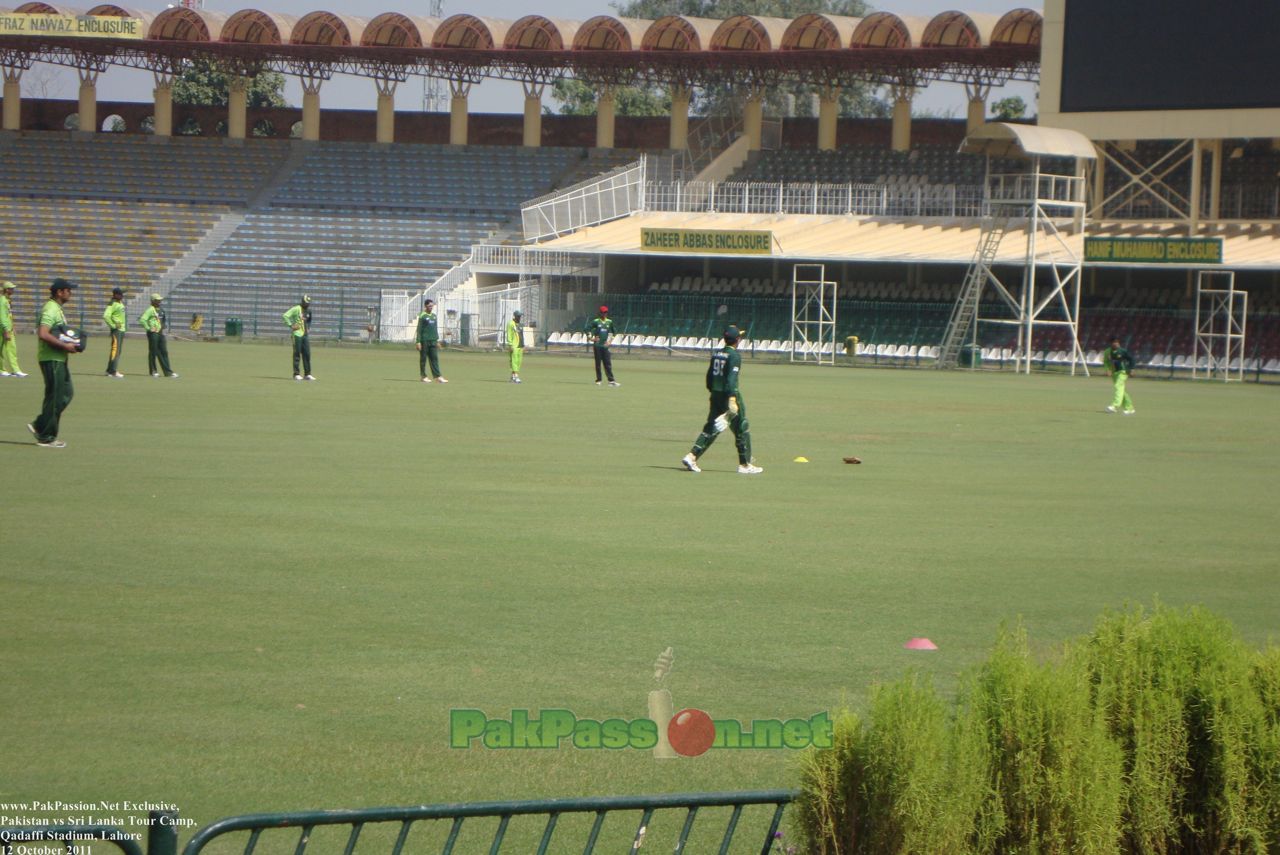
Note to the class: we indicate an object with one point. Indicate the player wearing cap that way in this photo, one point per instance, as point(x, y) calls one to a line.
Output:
point(298, 319)
point(153, 321)
point(1119, 365)
point(8, 340)
point(115, 321)
point(599, 331)
point(428, 343)
point(51, 352)
point(728, 410)
point(515, 344)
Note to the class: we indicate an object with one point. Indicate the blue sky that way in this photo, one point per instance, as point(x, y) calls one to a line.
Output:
point(491, 96)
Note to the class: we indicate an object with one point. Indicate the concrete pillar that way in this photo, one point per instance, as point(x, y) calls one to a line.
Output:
point(88, 100)
point(532, 114)
point(753, 119)
point(386, 132)
point(828, 111)
point(977, 115)
point(605, 107)
point(1197, 165)
point(458, 111)
point(902, 118)
point(679, 137)
point(311, 108)
point(12, 99)
point(1215, 180)
point(238, 107)
point(163, 95)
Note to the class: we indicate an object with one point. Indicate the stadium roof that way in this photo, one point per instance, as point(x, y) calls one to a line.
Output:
point(799, 237)
point(677, 48)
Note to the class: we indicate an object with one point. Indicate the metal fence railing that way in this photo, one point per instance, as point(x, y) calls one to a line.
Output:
point(608, 197)
point(875, 200)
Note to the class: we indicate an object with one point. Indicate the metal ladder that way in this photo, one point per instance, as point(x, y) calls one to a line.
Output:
point(975, 279)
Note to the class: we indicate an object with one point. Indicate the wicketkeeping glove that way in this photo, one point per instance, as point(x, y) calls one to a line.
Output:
point(721, 423)
point(733, 406)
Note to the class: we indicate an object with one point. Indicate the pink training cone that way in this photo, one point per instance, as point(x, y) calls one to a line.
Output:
point(920, 644)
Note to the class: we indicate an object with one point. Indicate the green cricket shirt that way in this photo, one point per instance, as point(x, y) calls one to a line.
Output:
point(428, 330)
point(297, 321)
point(114, 315)
point(722, 374)
point(6, 314)
point(600, 329)
point(1117, 359)
point(51, 316)
point(514, 339)
point(151, 321)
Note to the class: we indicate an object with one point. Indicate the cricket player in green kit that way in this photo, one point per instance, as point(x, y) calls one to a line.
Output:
point(298, 319)
point(52, 352)
point(728, 410)
point(515, 344)
point(1119, 365)
point(152, 321)
point(8, 342)
point(428, 343)
point(115, 321)
point(600, 330)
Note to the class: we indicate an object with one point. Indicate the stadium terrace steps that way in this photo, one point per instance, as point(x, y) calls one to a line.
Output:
point(97, 243)
point(116, 166)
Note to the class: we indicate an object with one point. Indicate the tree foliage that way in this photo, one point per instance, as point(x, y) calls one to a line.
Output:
point(1009, 108)
point(205, 83)
point(578, 98)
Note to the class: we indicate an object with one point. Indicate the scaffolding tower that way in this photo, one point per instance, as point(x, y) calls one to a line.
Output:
point(813, 315)
point(1049, 207)
point(1222, 314)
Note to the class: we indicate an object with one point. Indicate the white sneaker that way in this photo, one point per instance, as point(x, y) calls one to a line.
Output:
point(426, 379)
point(1129, 412)
point(5, 374)
point(690, 462)
point(173, 376)
point(118, 375)
point(1111, 409)
point(441, 380)
point(309, 377)
point(19, 374)
point(53, 443)
point(155, 373)
point(597, 382)
point(614, 383)
point(515, 379)
point(749, 469)
point(295, 377)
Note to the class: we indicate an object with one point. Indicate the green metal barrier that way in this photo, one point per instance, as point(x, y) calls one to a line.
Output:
point(504, 811)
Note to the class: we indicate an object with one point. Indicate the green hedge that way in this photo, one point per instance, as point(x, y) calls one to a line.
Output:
point(1157, 733)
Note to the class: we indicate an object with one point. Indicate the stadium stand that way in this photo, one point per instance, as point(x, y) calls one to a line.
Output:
point(98, 243)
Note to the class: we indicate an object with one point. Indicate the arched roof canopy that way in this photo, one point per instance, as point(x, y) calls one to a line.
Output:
point(469, 31)
point(887, 30)
point(255, 27)
point(393, 29)
point(45, 9)
point(1002, 139)
point(1019, 27)
point(679, 32)
point(605, 32)
point(180, 24)
point(959, 29)
point(326, 28)
point(749, 32)
point(816, 31)
point(535, 32)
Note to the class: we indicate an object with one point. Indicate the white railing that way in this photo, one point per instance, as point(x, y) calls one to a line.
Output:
point(531, 259)
point(883, 200)
point(398, 317)
point(479, 318)
point(611, 196)
point(1025, 187)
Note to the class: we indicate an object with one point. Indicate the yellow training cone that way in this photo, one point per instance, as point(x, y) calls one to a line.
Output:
point(801, 460)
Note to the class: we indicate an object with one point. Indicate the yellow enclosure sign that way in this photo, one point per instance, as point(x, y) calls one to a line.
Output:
point(75, 26)
point(707, 241)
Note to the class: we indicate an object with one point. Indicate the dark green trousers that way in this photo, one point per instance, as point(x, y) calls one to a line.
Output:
point(57, 396)
point(117, 347)
point(430, 353)
point(738, 424)
point(302, 354)
point(158, 353)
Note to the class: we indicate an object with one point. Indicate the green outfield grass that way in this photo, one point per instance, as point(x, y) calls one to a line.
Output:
point(238, 593)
